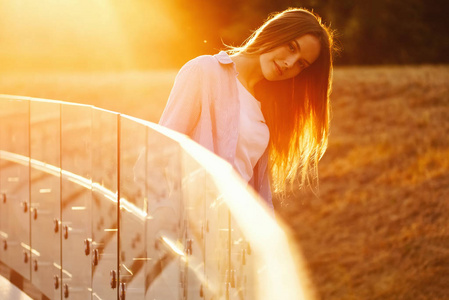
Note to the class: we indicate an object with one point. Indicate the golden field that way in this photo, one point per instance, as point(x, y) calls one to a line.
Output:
point(378, 229)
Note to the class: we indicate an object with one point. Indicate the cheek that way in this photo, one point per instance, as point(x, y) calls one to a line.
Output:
point(265, 64)
point(263, 60)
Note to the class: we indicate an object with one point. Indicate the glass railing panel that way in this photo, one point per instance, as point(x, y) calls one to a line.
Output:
point(165, 225)
point(104, 204)
point(76, 183)
point(242, 238)
point(194, 196)
point(3, 164)
point(242, 265)
point(261, 264)
point(133, 208)
point(14, 184)
point(186, 227)
point(45, 197)
point(217, 258)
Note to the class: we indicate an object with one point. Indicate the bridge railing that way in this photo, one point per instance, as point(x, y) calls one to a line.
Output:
point(99, 205)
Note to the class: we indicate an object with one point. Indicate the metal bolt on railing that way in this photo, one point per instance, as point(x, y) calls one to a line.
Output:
point(66, 291)
point(95, 255)
point(56, 281)
point(86, 247)
point(122, 291)
point(66, 232)
point(113, 281)
point(56, 225)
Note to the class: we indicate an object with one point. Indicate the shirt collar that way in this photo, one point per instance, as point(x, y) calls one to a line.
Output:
point(223, 58)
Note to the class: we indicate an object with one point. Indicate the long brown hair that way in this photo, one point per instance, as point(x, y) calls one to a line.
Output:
point(297, 110)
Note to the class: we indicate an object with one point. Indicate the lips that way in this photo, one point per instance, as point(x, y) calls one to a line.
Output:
point(278, 69)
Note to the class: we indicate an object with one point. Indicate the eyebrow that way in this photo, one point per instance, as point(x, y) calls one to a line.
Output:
point(297, 46)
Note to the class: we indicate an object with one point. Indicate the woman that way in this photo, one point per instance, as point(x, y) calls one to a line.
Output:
point(286, 65)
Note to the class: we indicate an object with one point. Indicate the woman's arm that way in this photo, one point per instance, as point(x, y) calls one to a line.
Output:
point(183, 107)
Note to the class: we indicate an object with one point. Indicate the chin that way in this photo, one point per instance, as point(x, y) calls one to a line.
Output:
point(271, 76)
point(274, 78)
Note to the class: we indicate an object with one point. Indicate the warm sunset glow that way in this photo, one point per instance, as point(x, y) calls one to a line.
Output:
point(75, 34)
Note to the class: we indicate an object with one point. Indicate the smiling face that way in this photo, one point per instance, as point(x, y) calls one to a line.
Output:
point(289, 60)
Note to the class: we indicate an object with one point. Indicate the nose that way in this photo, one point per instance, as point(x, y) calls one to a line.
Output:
point(290, 61)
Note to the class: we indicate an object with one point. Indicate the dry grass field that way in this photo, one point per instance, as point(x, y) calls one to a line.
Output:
point(378, 229)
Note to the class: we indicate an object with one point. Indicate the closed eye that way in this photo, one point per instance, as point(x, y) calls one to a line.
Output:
point(297, 45)
point(291, 47)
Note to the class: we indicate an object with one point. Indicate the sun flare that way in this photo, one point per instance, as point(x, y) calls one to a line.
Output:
point(80, 35)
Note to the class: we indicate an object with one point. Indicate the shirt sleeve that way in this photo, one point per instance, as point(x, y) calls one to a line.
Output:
point(183, 108)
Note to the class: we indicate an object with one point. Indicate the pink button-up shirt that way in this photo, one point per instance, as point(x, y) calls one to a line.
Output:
point(204, 105)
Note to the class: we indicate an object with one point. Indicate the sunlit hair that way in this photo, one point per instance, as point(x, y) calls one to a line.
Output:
point(296, 110)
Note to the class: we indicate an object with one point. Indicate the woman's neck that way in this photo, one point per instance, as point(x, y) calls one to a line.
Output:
point(249, 70)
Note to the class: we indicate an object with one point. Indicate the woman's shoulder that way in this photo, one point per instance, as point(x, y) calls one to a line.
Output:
point(209, 63)
point(203, 59)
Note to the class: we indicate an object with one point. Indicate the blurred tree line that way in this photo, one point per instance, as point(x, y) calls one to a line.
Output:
point(367, 31)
